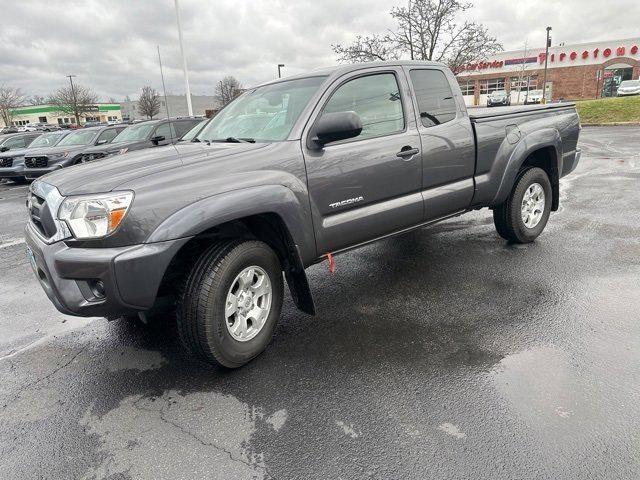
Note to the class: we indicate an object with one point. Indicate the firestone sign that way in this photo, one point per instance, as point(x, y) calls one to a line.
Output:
point(606, 53)
point(585, 54)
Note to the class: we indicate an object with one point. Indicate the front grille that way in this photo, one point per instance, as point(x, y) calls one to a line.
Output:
point(41, 216)
point(36, 162)
point(6, 162)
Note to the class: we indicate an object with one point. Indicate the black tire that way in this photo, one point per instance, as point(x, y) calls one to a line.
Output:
point(507, 217)
point(200, 311)
point(19, 180)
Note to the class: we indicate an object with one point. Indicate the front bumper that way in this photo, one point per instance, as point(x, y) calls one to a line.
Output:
point(12, 172)
point(131, 275)
point(38, 172)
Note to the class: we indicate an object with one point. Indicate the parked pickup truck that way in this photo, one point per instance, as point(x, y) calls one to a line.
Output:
point(287, 175)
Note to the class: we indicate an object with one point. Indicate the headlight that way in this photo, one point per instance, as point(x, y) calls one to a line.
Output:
point(57, 156)
point(95, 216)
point(123, 150)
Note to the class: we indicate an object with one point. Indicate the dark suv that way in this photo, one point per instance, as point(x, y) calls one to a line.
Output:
point(69, 151)
point(12, 161)
point(17, 140)
point(151, 133)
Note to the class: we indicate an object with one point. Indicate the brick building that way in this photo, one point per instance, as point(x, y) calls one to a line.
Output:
point(574, 72)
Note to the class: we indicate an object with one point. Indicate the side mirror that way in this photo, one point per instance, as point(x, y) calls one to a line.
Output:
point(101, 142)
point(157, 139)
point(332, 127)
point(4, 149)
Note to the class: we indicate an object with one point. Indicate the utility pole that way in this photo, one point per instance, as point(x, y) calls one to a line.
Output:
point(75, 100)
point(184, 61)
point(410, 39)
point(164, 89)
point(546, 60)
point(280, 65)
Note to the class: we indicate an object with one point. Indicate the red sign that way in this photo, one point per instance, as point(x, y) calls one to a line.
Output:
point(606, 53)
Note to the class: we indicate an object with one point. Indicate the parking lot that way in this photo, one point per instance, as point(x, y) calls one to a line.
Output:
point(443, 353)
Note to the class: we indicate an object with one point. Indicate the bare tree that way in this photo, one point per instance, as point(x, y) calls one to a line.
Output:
point(226, 90)
point(37, 100)
point(426, 30)
point(149, 102)
point(368, 49)
point(10, 98)
point(74, 101)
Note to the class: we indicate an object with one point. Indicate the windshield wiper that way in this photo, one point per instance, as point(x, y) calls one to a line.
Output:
point(235, 140)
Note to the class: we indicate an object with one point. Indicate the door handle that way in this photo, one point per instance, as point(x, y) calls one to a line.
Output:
point(407, 152)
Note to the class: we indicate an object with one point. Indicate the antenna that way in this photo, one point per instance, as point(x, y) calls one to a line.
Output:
point(164, 89)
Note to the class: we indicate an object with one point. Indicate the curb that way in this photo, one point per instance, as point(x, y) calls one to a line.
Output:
point(612, 124)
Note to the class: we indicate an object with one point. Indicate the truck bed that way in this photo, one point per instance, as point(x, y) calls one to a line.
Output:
point(481, 113)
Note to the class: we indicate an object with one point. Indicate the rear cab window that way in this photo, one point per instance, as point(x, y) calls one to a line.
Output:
point(434, 96)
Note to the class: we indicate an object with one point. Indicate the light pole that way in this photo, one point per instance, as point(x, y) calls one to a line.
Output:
point(184, 61)
point(280, 65)
point(75, 101)
point(546, 60)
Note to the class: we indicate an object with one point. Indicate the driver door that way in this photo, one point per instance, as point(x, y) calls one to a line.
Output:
point(368, 186)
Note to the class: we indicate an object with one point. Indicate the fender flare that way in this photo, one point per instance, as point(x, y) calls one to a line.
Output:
point(217, 209)
point(530, 143)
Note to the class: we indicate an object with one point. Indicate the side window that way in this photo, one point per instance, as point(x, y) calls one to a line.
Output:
point(434, 97)
point(376, 100)
point(163, 130)
point(15, 142)
point(183, 127)
point(107, 135)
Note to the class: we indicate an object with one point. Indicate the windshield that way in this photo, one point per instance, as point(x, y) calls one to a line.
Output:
point(264, 114)
point(630, 83)
point(190, 135)
point(47, 140)
point(499, 93)
point(134, 133)
point(78, 138)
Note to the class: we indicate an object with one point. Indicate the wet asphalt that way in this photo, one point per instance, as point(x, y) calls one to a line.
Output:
point(442, 353)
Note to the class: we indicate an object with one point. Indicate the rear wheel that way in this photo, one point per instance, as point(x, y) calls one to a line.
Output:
point(524, 214)
point(231, 302)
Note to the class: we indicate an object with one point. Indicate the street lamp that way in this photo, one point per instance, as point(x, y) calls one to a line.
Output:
point(546, 60)
point(75, 101)
point(280, 65)
point(184, 61)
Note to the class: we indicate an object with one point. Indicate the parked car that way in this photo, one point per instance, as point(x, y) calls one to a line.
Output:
point(151, 133)
point(12, 161)
point(533, 97)
point(46, 127)
point(68, 151)
point(8, 129)
point(350, 155)
point(17, 140)
point(27, 128)
point(498, 98)
point(191, 134)
point(629, 87)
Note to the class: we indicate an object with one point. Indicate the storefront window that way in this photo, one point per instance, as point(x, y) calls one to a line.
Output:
point(468, 87)
point(524, 83)
point(491, 85)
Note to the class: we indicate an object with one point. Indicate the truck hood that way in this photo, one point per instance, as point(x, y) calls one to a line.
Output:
point(106, 175)
point(114, 147)
point(19, 152)
point(54, 150)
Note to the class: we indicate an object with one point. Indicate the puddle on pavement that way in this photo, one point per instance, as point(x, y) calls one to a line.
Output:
point(542, 388)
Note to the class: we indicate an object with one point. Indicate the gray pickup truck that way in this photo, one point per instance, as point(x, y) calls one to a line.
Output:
point(287, 175)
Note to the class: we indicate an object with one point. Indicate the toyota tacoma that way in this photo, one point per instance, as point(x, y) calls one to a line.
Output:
point(289, 174)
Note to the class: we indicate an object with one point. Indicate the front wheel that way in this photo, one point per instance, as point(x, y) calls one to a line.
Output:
point(524, 214)
point(231, 302)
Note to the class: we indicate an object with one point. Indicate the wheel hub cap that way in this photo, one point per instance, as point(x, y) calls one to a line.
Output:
point(248, 303)
point(532, 207)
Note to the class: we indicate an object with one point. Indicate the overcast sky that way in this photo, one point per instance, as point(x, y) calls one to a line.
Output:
point(111, 44)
